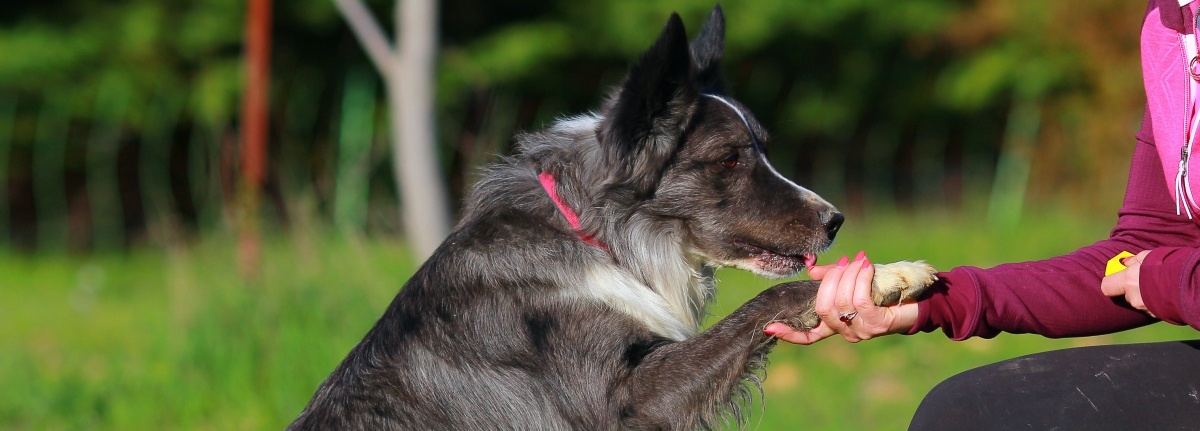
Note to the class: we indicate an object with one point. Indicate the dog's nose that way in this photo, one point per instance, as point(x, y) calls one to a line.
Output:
point(834, 224)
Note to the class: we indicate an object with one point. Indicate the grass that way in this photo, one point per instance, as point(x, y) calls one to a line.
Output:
point(174, 339)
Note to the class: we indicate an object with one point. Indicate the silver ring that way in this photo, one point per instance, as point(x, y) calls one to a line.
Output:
point(847, 317)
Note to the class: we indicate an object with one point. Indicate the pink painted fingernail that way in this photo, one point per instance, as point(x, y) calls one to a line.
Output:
point(866, 262)
point(841, 263)
point(770, 331)
point(860, 256)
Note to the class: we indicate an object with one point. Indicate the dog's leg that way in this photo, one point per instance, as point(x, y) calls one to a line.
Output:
point(684, 385)
point(901, 281)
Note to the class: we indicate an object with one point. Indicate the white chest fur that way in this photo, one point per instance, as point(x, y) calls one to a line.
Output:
point(673, 308)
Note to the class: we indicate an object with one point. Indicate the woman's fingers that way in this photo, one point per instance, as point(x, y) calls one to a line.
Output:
point(862, 287)
point(827, 293)
point(818, 272)
point(1127, 283)
point(848, 314)
point(844, 300)
point(787, 333)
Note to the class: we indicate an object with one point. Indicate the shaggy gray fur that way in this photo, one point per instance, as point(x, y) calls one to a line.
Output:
point(516, 323)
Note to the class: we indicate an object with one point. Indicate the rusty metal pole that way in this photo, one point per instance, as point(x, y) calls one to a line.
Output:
point(254, 131)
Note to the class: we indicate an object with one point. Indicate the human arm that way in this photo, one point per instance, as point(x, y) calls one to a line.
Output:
point(1057, 297)
point(1061, 297)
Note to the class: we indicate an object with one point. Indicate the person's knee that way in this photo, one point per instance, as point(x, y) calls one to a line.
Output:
point(1075, 388)
point(951, 405)
point(983, 398)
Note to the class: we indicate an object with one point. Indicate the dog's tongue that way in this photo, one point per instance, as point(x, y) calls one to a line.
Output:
point(810, 260)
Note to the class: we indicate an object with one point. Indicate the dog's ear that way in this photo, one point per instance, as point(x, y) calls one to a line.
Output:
point(707, 50)
point(643, 123)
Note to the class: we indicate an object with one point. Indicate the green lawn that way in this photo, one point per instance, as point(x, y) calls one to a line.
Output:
point(174, 339)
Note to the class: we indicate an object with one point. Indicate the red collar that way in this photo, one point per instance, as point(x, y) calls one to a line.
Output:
point(548, 184)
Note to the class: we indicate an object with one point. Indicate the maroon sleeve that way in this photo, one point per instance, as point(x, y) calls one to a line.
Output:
point(1170, 284)
point(1061, 297)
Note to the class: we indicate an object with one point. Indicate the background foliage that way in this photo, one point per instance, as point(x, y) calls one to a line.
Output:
point(963, 132)
point(117, 118)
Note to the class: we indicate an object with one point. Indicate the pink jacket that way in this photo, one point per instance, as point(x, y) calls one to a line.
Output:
point(1061, 297)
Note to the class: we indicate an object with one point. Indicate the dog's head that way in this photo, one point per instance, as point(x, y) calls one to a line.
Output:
point(691, 153)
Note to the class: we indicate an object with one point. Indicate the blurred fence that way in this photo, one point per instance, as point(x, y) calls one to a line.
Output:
point(88, 179)
point(84, 180)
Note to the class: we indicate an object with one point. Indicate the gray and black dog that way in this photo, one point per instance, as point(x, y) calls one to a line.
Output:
point(571, 293)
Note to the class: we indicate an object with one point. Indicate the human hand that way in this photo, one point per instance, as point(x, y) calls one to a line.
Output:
point(846, 291)
point(1126, 283)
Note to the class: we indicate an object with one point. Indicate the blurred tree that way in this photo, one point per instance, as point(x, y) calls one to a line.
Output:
point(408, 72)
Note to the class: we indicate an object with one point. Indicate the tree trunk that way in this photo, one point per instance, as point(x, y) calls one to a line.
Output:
point(419, 178)
point(408, 72)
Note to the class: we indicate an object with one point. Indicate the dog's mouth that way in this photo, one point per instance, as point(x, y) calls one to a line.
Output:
point(776, 263)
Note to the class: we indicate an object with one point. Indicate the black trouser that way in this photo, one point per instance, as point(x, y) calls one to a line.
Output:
point(1153, 386)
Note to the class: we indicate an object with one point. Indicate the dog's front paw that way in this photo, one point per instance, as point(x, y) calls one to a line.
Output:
point(901, 281)
point(796, 299)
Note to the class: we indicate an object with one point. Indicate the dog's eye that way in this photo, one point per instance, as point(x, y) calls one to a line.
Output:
point(730, 161)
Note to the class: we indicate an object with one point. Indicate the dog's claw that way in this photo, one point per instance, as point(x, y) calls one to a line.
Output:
point(901, 281)
point(805, 321)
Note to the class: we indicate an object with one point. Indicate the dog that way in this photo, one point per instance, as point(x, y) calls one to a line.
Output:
point(571, 292)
